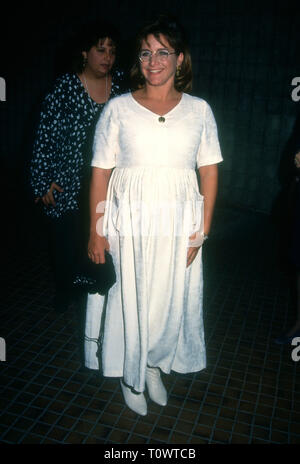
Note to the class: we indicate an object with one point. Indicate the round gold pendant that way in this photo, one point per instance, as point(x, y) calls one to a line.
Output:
point(161, 119)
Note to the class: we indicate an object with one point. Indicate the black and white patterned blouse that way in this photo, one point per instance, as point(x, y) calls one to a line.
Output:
point(60, 150)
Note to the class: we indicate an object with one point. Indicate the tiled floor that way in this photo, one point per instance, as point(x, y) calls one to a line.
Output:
point(249, 392)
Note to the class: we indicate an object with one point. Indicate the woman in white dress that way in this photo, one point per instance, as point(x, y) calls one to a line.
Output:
point(147, 147)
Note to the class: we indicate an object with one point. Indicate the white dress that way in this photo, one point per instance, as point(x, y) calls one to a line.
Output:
point(153, 314)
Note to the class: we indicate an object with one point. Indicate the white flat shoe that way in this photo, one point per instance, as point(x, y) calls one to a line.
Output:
point(156, 389)
point(135, 401)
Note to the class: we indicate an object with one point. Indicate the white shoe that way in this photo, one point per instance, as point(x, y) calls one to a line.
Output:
point(156, 389)
point(135, 401)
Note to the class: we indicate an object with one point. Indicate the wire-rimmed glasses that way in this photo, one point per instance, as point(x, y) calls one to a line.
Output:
point(161, 55)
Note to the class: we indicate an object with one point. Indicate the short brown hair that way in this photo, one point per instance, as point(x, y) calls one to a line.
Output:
point(173, 32)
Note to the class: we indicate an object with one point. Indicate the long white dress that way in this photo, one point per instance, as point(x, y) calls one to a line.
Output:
point(153, 314)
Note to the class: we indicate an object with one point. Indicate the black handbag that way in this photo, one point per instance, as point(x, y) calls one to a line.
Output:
point(96, 278)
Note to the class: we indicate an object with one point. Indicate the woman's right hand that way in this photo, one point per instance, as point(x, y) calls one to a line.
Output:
point(96, 248)
point(297, 160)
point(48, 199)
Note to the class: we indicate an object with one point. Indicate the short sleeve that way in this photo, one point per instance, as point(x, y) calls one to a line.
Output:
point(209, 151)
point(106, 146)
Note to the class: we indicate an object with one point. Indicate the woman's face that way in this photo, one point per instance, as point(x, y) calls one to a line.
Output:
point(159, 71)
point(100, 57)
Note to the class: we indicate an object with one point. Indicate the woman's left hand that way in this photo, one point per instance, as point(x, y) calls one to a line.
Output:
point(191, 255)
point(197, 240)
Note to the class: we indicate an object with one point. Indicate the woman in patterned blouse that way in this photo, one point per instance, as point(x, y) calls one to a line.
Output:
point(61, 153)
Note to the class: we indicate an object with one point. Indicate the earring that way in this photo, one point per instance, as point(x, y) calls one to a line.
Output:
point(84, 62)
point(178, 69)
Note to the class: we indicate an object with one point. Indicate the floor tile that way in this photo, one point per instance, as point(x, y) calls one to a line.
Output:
point(246, 394)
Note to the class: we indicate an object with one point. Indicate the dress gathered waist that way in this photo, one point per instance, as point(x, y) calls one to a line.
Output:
point(155, 167)
point(150, 183)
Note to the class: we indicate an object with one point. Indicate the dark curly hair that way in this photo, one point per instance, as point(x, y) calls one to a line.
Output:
point(89, 36)
point(168, 27)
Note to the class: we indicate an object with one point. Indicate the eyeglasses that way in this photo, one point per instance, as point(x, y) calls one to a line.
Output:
point(161, 55)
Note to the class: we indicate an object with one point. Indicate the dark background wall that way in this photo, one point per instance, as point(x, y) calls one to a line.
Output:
point(245, 55)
